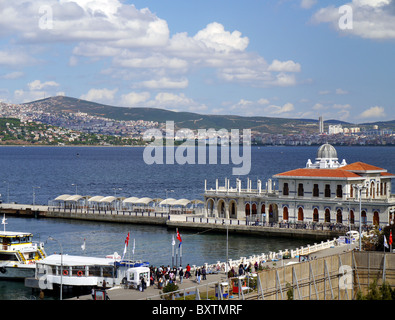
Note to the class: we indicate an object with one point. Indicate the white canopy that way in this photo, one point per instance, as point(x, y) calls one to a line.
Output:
point(63, 197)
point(108, 199)
point(95, 199)
point(168, 201)
point(144, 201)
point(76, 197)
point(174, 202)
point(130, 200)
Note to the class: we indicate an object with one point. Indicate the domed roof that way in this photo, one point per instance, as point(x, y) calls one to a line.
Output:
point(326, 151)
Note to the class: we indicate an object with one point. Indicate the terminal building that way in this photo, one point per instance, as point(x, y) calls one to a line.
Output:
point(325, 191)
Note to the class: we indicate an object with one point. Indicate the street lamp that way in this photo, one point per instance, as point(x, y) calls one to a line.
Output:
point(115, 192)
point(61, 265)
point(360, 188)
point(34, 194)
point(8, 191)
point(167, 203)
point(76, 188)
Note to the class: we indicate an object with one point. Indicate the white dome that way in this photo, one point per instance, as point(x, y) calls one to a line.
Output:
point(326, 151)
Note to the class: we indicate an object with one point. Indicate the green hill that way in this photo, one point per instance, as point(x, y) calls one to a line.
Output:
point(61, 104)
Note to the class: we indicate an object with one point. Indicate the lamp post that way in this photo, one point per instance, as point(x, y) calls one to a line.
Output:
point(115, 194)
point(8, 191)
point(76, 188)
point(360, 188)
point(34, 195)
point(61, 265)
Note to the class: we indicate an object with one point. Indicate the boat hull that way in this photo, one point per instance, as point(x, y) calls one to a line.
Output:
point(17, 273)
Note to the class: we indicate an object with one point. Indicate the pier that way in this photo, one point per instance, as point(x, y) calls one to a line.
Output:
point(164, 217)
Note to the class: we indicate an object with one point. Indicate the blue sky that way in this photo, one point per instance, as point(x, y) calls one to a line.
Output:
point(277, 58)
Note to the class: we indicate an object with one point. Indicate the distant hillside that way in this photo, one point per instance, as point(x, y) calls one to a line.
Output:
point(60, 104)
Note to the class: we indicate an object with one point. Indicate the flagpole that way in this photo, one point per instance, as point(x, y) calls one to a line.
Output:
point(180, 254)
point(172, 251)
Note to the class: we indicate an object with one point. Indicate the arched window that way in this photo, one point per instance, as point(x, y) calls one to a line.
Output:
point(339, 216)
point(285, 213)
point(248, 209)
point(363, 217)
point(210, 207)
point(221, 209)
point(376, 219)
point(327, 215)
point(233, 209)
point(300, 214)
point(254, 211)
point(352, 216)
point(263, 209)
point(315, 215)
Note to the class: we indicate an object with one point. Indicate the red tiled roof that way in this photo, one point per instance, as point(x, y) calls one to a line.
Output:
point(361, 166)
point(325, 173)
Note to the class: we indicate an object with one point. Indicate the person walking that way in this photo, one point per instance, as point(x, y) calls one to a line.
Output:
point(204, 272)
point(181, 274)
point(198, 275)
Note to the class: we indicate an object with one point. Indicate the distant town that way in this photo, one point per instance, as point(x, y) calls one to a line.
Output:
point(33, 124)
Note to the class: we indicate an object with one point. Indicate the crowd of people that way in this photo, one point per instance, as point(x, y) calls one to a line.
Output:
point(161, 276)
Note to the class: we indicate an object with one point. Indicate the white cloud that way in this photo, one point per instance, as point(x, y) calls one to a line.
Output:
point(176, 102)
point(373, 112)
point(38, 85)
point(22, 96)
point(100, 95)
point(13, 75)
point(36, 90)
point(307, 4)
point(373, 19)
point(165, 83)
point(284, 66)
point(14, 58)
point(341, 91)
point(278, 110)
point(215, 37)
point(134, 98)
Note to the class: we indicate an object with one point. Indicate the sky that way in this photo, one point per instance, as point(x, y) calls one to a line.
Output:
point(275, 58)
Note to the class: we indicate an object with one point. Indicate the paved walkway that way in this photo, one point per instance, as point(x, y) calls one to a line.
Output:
point(119, 293)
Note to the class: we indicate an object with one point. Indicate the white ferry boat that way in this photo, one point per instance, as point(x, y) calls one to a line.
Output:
point(82, 271)
point(18, 254)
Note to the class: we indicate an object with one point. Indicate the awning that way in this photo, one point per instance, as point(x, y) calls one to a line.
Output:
point(62, 197)
point(143, 201)
point(76, 197)
point(130, 200)
point(174, 202)
point(108, 199)
point(182, 202)
point(168, 201)
point(95, 199)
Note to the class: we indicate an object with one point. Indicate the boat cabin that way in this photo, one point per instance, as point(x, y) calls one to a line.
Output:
point(18, 247)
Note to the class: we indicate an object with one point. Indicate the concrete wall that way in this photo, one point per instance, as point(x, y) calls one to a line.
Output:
point(336, 277)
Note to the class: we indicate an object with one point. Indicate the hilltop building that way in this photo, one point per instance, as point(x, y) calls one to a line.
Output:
point(325, 191)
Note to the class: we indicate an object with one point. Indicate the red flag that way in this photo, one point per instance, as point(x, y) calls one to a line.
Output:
point(127, 240)
point(178, 236)
point(390, 240)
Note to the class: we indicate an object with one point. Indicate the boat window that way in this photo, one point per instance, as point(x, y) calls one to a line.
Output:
point(15, 240)
point(8, 257)
point(107, 271)
point(94, 271)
